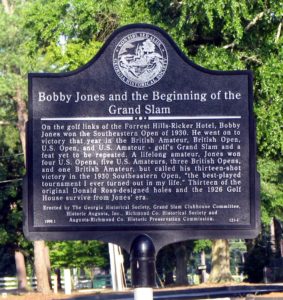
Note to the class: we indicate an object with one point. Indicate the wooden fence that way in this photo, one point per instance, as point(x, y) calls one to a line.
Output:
point(11, 283)
point(100, 281)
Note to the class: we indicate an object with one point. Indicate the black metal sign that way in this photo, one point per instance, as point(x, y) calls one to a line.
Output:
point(141, 140)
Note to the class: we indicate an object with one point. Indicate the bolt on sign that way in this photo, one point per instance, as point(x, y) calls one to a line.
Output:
point(141, 140)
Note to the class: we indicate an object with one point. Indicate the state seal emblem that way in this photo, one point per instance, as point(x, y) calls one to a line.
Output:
point(140, 59)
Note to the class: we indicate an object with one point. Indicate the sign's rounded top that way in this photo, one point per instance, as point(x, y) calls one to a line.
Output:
point(141, 55)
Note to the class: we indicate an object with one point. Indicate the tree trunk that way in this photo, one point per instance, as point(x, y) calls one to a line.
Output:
point(181, 264)
point(166, 258)
point(21, 271)
point(48, 264)
point(220, 271)
point(203, 265)
point(41, 271)
point(272, 238)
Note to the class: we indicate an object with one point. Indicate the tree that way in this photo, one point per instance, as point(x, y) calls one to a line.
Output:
point(220, 265)
point(13, 90)
point(79, 254)
point(69, 33)
point(181, 253)
point(230, 35)
point(221, 34)
point(271, 188)
point(165, 264)
point(236, 35)
point(259, 252)
point(11, 168)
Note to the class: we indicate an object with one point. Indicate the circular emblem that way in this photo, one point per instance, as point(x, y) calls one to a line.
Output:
point(140, 59)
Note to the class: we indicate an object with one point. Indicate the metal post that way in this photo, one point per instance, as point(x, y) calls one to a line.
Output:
point(117, 269)
point(142, 258)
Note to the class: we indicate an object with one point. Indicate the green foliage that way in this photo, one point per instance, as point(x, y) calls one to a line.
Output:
point(12, 80)
point(79, 254)
point(202, 245)
point(269, 107)
point(271, 189)
point(11, 160)
point(11, 170)
point(12, 58)
point(218, 59)
point(68, 34)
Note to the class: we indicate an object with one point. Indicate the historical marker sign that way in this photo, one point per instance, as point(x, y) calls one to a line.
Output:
point(141, 140)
